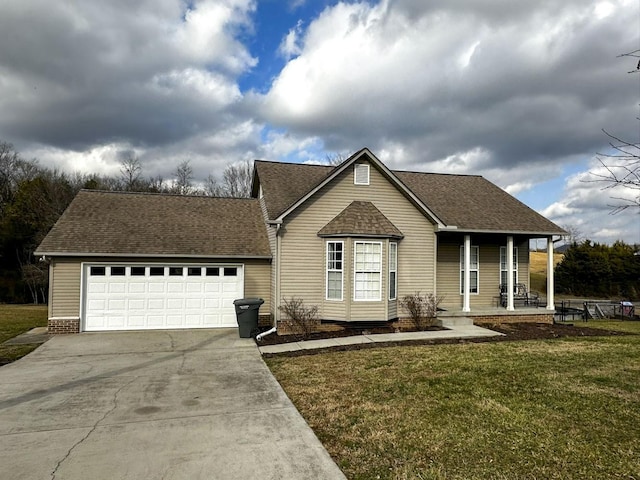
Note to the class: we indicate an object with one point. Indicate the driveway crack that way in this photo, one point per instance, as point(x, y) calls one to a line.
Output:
point(95, 426)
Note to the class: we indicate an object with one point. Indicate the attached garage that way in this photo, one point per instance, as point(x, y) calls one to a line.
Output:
point(141, 297)
point(179, 262)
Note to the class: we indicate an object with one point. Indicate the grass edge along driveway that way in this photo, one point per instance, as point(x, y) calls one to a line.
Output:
point(549, 409)
point(17, 319)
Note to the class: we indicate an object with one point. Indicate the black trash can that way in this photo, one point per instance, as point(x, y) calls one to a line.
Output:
point(247, 310)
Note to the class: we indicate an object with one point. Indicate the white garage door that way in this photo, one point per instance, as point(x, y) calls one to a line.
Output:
point(142, 297)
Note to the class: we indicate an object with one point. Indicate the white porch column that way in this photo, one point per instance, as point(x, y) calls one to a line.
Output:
point(467, 274)
point(550, 286)
point(510, 285)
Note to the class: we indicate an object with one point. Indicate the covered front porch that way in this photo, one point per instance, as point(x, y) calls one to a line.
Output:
point(484, 274)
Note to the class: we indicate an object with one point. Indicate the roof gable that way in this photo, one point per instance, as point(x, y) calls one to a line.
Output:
point(322, 176)
point(360, 219)
point(141, 224)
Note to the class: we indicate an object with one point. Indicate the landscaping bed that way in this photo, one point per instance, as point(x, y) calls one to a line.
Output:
point(349, 331)
point(511, 331)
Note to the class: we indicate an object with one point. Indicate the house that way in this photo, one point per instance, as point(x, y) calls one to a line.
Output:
point(351, 239)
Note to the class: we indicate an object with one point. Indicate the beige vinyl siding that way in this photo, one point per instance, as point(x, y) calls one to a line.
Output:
point(489, 271)
point(271, 235)
point(303, 252)
point(65, 288)
point(66, 277)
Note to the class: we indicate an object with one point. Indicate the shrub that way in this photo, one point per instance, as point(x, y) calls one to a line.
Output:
point(422, 309)
point(303, 319)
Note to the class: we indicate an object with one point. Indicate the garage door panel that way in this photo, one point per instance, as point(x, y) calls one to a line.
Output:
point(97, 287)
point(175, 303)
point(157, 287)
point(137, 287)
point(154, 298)
point(135, 304)
point(119, 287)
point(155, 304)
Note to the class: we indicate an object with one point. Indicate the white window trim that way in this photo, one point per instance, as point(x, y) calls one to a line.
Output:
point(355, 272)
point(503, 255)
point(327, 270)
point(477, 269)
point(393, 247)
point(360, 166)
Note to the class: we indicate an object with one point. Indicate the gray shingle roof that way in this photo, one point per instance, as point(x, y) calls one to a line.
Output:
point(153, 224)
point(471, 202)
point(468, 202)
point(284, 183)
point(363, 219)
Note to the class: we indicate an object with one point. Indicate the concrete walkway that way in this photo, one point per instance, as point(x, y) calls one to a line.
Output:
point(191, 404)
point(453, 331)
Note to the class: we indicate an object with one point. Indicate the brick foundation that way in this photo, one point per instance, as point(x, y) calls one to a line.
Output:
point(265, 320)
point(61, 326)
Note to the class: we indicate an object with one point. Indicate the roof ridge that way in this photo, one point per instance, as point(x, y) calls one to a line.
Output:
point(160, 194)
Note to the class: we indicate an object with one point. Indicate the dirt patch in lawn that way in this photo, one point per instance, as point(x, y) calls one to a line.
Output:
point(511, 331)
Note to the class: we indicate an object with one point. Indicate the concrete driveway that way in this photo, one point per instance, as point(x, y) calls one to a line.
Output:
point(152, 405)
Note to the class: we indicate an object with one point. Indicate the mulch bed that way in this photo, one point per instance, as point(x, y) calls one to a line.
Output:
point(512, 331)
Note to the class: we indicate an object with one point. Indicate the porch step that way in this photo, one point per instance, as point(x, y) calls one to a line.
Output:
point(455, 321)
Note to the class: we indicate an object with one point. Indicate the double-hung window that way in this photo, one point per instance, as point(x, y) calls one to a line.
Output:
point(473, 270)
point(367, 271)
point(335, 270)
point(393, 270)
point(503, 266)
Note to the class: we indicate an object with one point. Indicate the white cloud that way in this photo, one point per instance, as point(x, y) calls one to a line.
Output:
point(290, 45)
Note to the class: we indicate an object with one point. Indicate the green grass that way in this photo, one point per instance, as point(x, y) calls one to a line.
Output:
point(552, 409)
point(17, 319)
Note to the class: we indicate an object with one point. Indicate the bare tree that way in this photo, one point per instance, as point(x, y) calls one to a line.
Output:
point(335, 159)
point(621, 167)
point(182, 185)
point(237, 179)
point(130, 171)
point(212, 188)
point(621, 170)
point(574, 234)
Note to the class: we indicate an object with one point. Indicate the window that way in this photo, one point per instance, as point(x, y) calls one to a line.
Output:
point(393, 270)
point(98, 271)
point(230, 271)
point(335, 271)
point(503, 266)
point(175, 271)
point(137, 271)
point(156, 271)
point(473, 271)
point(213, 272)
point(367, 271)
point(117, 271)
point(361, 174)
point(194, 271)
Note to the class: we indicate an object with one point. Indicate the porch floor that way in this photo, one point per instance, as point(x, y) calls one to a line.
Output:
point(494, 311)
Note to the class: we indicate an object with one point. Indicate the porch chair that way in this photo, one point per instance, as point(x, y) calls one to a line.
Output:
point(520, 294)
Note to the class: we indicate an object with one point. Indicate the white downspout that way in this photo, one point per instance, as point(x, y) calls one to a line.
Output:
point(264, 334)
point(277, 289)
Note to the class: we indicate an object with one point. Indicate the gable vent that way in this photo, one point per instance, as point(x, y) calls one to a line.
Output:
point(361, 174)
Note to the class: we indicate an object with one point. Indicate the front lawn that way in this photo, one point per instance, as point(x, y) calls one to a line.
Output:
point(17, 319)
point(565, 408)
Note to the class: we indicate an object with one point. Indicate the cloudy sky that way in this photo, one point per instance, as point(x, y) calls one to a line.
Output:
point(515, 90)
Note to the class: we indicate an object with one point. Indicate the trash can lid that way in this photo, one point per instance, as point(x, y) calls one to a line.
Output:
point(248, 301)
